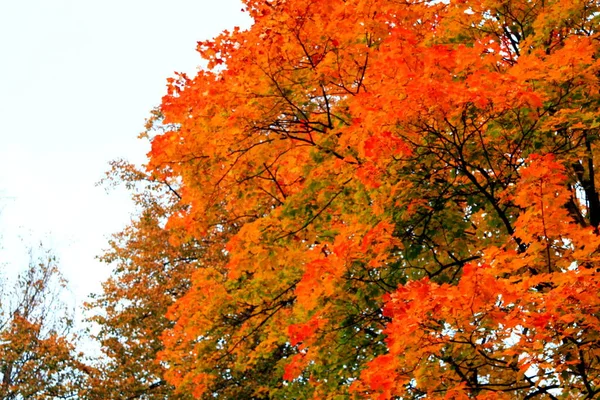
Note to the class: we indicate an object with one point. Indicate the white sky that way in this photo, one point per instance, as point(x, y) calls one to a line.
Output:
point(77, 80)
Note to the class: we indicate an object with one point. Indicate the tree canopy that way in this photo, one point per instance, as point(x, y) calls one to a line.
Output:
point(371, 199)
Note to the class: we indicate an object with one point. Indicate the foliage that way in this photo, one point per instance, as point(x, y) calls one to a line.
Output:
point(373, 198)
point(37, 353)
point(149, 275)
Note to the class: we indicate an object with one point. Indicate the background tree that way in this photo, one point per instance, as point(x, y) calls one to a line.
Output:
point(384, 199)
point(38, 359)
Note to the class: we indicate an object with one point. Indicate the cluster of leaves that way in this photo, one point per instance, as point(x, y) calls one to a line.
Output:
point(369, 198)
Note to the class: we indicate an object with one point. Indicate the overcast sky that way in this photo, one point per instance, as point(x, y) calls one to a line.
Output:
point(77, 80)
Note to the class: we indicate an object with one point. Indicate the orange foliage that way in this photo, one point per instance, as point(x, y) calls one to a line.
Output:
point(386, 199)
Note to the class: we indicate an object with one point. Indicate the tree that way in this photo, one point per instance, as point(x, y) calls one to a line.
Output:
point(37, 353)
point(388, 199)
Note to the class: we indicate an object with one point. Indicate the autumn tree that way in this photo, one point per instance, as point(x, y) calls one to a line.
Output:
point(383, 199)
point(38, 359)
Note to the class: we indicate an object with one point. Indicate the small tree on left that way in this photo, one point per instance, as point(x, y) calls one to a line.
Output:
point(37, 354)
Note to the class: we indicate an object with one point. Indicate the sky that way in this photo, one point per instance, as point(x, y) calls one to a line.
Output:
point(78, 78)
